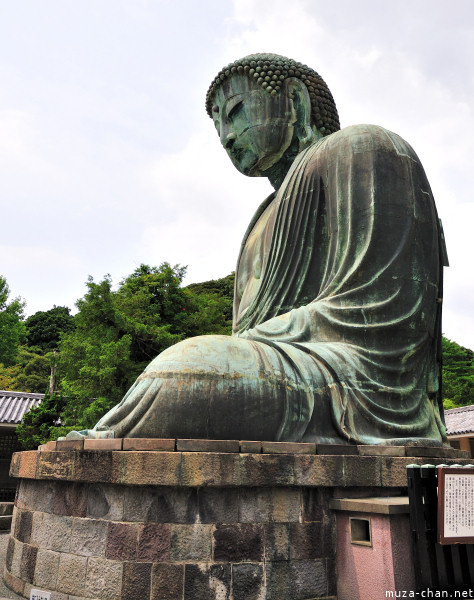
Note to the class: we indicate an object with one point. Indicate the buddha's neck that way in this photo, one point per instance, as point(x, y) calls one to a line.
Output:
point(277, 172)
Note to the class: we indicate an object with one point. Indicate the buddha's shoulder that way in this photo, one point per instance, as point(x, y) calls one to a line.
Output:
point(365, 138)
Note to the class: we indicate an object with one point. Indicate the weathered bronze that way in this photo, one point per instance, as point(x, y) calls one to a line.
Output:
point(337, 309)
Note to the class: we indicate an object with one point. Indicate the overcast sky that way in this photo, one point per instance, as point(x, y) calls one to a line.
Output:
point(108, 159)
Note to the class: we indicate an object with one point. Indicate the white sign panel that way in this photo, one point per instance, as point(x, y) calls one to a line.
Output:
point(39, 595)
point(459, 505)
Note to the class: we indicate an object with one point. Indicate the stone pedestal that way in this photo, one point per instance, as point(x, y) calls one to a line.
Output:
point(184, 524)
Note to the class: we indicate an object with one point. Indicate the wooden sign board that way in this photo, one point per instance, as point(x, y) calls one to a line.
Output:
point(455, 505)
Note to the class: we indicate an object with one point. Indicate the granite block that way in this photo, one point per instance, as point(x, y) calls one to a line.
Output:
point(161, 505)
point(122, 539)
point(381, 450)
point(310, 541)
point(15, 464)
point(146, 468)
point(285, 505)
point(55, 465)
point(105, 502)
point(218, 505)
point(9, 555)
point(251, 447)
point(28, 563)
point(61, 538)
point(313, 503)
point(46, 573)
point(103, 444)
point(341, 449)
point(288, 448)
point(254, 505)
point(28, 465)
point(238, 542)
point(319, 470)
point(394, 470)
point(16, 585)
point(136, 581)
point(70, 499)
point(167, 582)
point(149, 444)
point(207, 445)
point(36, 495)
point(154, 542)
point(103, 579)
point(276, 539)
point(191, 542)
point(16, 559)
point(362, 471)
point(42, 530)
point(93, 465)
point(267, 469)
point(69, 445)
point(296, 579)
point(207, 582)
point(23, 523)
point(209, 469)
point(71, 574)
point(248, 582)
point(88, 537)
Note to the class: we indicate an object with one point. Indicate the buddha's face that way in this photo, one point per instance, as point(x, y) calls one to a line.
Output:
point(255, 127)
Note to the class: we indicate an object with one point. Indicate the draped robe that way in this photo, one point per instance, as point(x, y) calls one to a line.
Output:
point(337, 313)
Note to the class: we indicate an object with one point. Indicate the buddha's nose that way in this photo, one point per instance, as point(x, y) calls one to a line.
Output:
point(229, 139)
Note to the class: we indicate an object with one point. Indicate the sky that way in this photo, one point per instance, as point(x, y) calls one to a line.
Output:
point(109, 160)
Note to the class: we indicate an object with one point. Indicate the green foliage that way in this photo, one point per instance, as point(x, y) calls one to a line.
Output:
point(12, 328)
point(223, 288)
point(44, 328)
point(39, 423)
point(458, 375)
point(33, 371)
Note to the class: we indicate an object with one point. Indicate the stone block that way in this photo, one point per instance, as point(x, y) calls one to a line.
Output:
point(154, 542)
point(122, 539)
point(218, 505)
point(343, 449)
point(431, 452)
point(209, 469)
point(394, 470)
point(55, 465)
point(276, 541)
point(314, 504)
point(42, 530)
point(28, 563)
point(167, 582)
point(88, 537)
point(207, 582)
point(103, 444)
point(94, 465)
point(69, 445)
point(146, 468)
point(9, 555)
point(23, 523)
point(46, 573)
point(251, 447)
point(103, 579)
point(310, 541)
point(70, 499)
point(315, 471)
point(16, 585)
point(71, 574)
point(191, 542)
point(16, 559)
point(207, 445)
point(288, 448)
point(61, 538)
point(362, 471)
point(149, 444)
point(296, 579)
point(136, 581)
point(254, 505)
point(15, 464)
point(239, 542)
point(36, 495)
point(267, 469)
point(28, 465)
point(331, 571)
point(381, 450)
point(285, 505)
point(105, 502)
point(160, 504)
point(248, 581)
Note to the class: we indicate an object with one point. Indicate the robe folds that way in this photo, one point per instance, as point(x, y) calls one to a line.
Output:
point(337, 313)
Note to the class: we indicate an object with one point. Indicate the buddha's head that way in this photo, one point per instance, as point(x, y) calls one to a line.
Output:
point(267, 109)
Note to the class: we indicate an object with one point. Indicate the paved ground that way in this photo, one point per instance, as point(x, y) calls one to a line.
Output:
point(5, 593)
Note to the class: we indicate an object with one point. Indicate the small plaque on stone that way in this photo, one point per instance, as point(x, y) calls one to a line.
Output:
point(39, 595)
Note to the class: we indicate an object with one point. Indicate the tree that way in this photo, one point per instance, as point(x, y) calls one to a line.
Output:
point(44, 328)
point(458, 375)
point(12, 328)
point(40, 423)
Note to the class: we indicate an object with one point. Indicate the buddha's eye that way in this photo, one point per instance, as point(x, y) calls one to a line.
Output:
point(234, 111)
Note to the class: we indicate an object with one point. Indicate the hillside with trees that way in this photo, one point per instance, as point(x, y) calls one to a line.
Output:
point(85, 363)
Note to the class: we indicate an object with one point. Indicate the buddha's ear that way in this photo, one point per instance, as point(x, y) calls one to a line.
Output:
point(301, 104)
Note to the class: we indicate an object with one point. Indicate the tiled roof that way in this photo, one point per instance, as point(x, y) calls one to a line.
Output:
point(460, 420)
point(14, 405)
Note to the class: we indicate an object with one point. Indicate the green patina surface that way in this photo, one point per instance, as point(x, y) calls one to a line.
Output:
point(336, 311)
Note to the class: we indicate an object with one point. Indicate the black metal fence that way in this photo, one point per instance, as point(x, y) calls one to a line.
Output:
point(437, 567)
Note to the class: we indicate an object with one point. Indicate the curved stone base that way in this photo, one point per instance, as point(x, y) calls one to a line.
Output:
point(153, 525)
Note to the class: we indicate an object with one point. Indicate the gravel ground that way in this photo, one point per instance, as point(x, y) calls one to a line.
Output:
point(5, 593)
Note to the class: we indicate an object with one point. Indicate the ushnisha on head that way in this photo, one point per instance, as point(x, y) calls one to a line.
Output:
point(269, 71)
point(267, 109)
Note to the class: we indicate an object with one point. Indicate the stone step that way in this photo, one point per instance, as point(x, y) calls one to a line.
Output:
point(5, 522)
point(6, 508)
